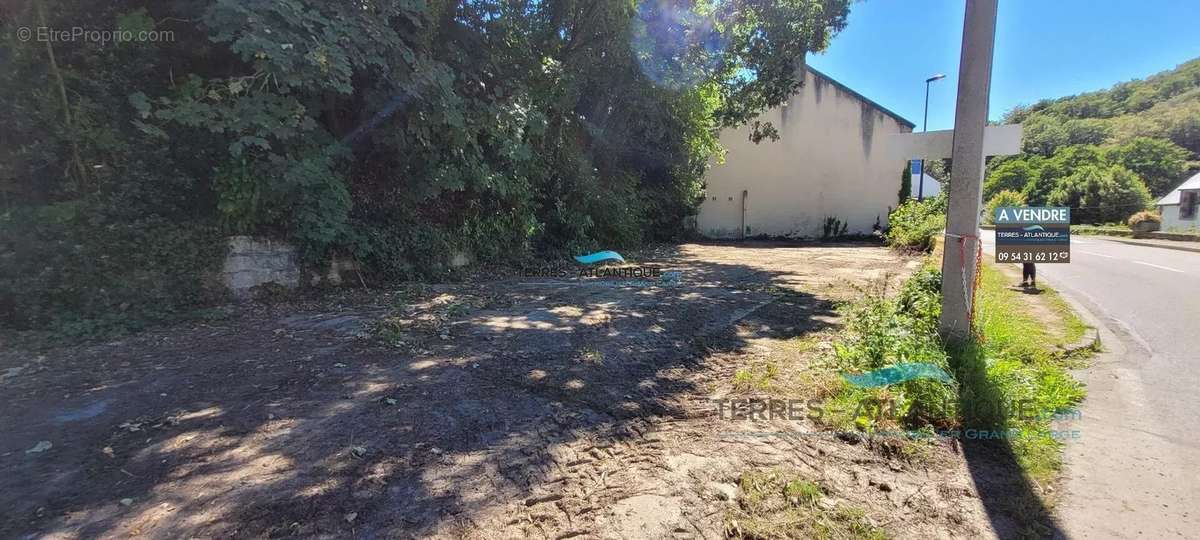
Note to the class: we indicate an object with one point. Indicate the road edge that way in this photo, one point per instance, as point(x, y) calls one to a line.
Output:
point(1136, 242)
point(1095, 325)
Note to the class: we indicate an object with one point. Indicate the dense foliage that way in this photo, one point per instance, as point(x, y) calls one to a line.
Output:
point(1148, 128)
point(393, 132)
point(914, 224)
point(1013, 381)
point(1100, 195)
point(881, 332)
point(1004, 198)
point(1163, 106)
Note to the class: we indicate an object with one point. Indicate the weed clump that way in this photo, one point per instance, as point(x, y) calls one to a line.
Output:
point(778, 504)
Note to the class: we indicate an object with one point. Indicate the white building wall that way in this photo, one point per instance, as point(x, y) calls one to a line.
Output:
point(830, 160)
point(1170, 216)
point(1170, 219)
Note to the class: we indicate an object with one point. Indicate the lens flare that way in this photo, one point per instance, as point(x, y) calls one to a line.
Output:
point(676, 47)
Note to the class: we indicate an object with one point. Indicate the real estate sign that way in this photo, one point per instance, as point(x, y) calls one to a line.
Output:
point(1027, 234)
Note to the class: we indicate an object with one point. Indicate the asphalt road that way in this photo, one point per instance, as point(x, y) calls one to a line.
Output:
point(1134, 471)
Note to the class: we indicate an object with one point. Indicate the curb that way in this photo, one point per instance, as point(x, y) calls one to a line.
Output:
point(1135, 242)
point(1091, 336)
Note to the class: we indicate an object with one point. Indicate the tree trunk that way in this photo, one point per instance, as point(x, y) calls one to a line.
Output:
point(80, 170)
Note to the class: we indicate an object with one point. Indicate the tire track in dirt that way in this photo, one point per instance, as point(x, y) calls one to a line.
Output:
point(553, 410)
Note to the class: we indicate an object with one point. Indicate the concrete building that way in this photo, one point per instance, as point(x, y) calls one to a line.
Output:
point(830, 161)
point(1179, 207)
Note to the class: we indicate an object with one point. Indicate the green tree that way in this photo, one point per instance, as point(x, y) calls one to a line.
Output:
point(905, 183)
point(1003, 198)
point(1165, 105)
point(1012, 175)
point(392, 132)
point(1038, 189)
point(1160, 163)
point(1043, 135)
point(1098, 194)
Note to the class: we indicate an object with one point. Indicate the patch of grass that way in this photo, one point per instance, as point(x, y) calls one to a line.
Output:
point(591, 355)
point(1015, 380)
point(881, 332)
point(1002, 316)
point(392, 330)
point(800, 344)
point(1073, 327)
point(756, 377)
point(775, 504)
point(456, 310)
point(802, 492)
point(794, 367)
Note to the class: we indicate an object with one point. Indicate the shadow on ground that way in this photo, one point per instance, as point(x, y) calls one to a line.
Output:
point(1014, 504)
point(526, 407)
point(279, 426)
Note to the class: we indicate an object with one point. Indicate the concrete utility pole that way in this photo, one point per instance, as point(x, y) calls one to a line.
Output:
point(966, 177)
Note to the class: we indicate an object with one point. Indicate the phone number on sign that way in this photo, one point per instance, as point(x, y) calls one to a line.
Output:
point(1033, 256)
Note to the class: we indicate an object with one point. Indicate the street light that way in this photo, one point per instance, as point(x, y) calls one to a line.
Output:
point(924, 125)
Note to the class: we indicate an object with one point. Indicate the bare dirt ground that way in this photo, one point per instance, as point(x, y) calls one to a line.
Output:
point(502, 408)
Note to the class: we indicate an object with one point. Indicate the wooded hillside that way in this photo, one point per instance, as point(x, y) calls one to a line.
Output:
point(1109, 153)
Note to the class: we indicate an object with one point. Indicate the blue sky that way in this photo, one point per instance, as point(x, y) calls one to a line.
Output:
point(1044, 49)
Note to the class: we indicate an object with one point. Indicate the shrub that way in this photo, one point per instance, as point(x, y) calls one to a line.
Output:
point(881, 332)
point(913, 224)
point(1143, 216)
point(1003, 198)
point(76, 272)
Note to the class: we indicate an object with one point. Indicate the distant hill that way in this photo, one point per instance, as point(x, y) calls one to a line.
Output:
point(1106, 154)
point(1164, 106)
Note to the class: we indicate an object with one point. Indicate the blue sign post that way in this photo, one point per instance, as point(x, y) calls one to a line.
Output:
point(1033, 234)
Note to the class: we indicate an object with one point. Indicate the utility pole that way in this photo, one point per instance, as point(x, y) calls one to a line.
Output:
point(966, 178)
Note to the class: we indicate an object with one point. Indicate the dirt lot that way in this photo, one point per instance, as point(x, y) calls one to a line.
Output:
point(507, 407)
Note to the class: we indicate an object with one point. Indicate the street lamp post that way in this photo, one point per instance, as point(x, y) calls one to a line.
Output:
point(924, 126)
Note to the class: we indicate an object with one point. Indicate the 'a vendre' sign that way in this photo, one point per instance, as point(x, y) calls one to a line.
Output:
point(1027, 234)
